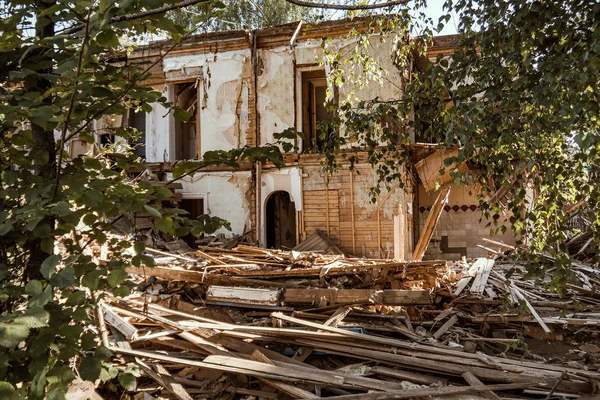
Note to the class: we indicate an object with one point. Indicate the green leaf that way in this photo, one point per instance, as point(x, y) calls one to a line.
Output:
point(11, 334)
point(76, 298)
point(164, 224)
point(33, 287)
point(116, 277)
point(122, 291)
point(152, 211)
point(128, 381)
point(90, 367)
point(35, 317)
point(139, 248)
point(181, 115)
point(49, 266)
point(39, 383)
point(107, 38)
point(92, 279)
point(64, 278)
point(6, 390)
point(43, 298)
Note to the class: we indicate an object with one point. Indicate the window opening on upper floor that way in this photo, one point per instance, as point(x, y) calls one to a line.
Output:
point(137, 120)
point(317, 115)
point(187, 135)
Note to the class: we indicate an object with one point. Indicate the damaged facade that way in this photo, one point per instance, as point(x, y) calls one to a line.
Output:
point(241, 88)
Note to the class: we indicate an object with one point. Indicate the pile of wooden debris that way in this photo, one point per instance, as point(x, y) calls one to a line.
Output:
point(255, 323)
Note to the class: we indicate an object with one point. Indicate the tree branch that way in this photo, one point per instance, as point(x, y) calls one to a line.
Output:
point(63, 134)
point(143, 14)
point(128, 88)
point(310, 4)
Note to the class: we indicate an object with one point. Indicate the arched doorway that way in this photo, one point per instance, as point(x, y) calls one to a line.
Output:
point(280, 221)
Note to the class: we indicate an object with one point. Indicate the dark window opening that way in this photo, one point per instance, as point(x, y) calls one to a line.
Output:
point(195, 208)
point(187, 137)
point(137, 120)
point(317, 117)
point(280, 221)
point(106, 140)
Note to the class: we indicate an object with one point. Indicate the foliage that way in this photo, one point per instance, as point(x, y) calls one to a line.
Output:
point(249, 14)
point(63, 66)
point(519, 97)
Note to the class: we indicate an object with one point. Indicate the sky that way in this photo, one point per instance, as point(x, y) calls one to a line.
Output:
point(435, 10)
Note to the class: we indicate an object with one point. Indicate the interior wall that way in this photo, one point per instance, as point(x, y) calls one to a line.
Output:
point(461, 226)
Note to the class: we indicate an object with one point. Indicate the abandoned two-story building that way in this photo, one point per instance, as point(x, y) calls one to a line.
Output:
point(241, 88)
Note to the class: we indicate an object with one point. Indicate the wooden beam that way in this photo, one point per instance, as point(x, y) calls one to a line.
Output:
point(443, 391)
point(430, 224)
point(352, 212)
point(473, 381)
point(327, 208)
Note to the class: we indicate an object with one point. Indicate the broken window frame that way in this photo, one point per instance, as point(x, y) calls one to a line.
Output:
point(304, 144)
point(197, 196)
point(139, 145)
point(194, 110)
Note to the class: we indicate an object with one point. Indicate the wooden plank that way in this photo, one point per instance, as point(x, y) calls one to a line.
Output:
point(170, 384)
point(235, 365)
point(537, 317)
point(128, 330)
point(293, 391)
point(484, 268)
point(353, 232)
point(411, 376)
point(430, 224)
point(172, 274)
point(440, 332)
point(461, 285)
point(473, 381)
point(342, 296)
point(243, 295)
point(443, 391)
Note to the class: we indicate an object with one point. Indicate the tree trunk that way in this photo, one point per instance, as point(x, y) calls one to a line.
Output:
point(43, 138)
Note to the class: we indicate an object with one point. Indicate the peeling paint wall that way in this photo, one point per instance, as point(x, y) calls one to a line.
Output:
point(275, 91)
point(158, 124)
point(226, 196)
point(225, 80)
point(285, 179)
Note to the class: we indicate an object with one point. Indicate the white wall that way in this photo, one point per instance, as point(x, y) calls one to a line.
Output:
point(226, 196)
point(158, 125)
point(275, 101)
point(223, 95)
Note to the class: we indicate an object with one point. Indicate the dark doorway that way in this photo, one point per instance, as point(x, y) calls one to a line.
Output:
point(281, 221)
point(195, 207)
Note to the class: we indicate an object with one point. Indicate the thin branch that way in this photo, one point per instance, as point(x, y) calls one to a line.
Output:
point(143, 14)
point(310, 4)
point(63, 134)
point(129, 87)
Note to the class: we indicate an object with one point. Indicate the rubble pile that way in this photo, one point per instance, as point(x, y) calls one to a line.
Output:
point(255, 323)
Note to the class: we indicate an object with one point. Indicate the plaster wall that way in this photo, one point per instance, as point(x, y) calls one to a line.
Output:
point(279, 81)
point(158, 124)
point(224, 82)
point(275, 92)
point(227, 196)
point(286, 179)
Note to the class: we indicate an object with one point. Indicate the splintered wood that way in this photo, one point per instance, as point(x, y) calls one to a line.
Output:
point(267, 324)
